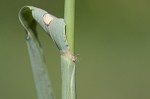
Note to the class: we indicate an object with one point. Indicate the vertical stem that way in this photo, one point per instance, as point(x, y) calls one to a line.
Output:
point(68, 78)
point(69, 13)
point(67, 66)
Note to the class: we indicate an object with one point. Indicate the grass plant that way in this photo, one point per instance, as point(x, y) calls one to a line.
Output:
point(29, 17)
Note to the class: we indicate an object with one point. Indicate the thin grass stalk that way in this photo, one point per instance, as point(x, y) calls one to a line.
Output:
point(68, 66)
point(69, 13)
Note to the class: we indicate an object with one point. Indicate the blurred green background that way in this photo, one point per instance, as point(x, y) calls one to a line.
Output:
point(112, 39)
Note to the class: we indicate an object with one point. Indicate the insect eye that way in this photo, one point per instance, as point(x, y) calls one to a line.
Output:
point(47, 19)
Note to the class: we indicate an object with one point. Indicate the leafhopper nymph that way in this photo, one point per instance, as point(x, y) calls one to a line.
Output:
point(56, 29)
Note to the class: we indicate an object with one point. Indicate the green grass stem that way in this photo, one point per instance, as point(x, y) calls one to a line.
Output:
point(67, 66)
point(69, 13)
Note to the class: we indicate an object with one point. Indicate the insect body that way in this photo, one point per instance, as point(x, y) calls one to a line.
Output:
point(55, 28)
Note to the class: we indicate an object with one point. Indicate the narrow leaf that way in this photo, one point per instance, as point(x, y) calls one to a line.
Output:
point(39, 70)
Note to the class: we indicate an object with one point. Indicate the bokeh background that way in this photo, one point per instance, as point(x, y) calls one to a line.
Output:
point(112, 39)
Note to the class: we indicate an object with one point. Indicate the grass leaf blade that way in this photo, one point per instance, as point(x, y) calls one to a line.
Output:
point(39, 70)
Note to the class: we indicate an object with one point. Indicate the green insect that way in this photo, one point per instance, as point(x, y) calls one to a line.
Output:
point(55, 27)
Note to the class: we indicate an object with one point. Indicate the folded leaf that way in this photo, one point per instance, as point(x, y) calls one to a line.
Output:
point(55, 27)
point(39, 70)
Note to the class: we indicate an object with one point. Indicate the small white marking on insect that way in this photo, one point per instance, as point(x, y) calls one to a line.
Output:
point(47, 19)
